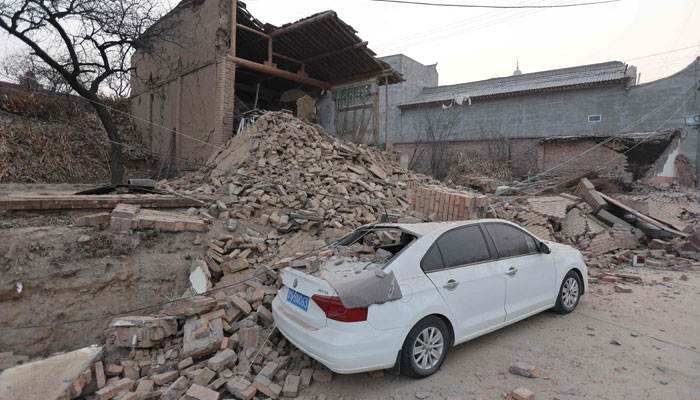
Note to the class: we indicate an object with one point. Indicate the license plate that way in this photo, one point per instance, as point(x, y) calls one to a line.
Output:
point(298, 299)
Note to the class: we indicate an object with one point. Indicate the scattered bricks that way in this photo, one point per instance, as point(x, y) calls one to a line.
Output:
point(522, 393)
point(265, 315)
point(202, 337)
point(269, 370)
point(191, 306)
point(221, 360)
point(114, 370)
point(305, 377)
point(267, 387)
point(185, 363)
point(165, 377)
point(113, 389)
point(142, 332)
point(658, 244)
point(176, 390)
point(204, 377)
point(241, 388)
point(219, 382)
point(197, 392)
point(323, 375)
point(241, 304)
point(667, 279)
point(99, 219)
point(145, 385)
point(249, 335)
point(684, 277)
point(100, 375)
point(608, 278)
point(291, 386)
point(655, 263)
point(623, 288)
point(523, 369)
point(657, 253)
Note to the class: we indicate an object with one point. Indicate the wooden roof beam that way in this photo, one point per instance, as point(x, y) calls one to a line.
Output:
point(280, 73)
point(299, 25)
point(335, 52)
point(360, 77)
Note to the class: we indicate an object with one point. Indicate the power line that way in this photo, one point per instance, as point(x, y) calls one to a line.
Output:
point(663, 52)
point(420, 3)
point(468, 28)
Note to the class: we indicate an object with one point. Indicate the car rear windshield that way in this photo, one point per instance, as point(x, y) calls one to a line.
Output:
point(384, 242)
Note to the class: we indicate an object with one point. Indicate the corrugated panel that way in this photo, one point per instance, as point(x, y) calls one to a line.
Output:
point(586, 74)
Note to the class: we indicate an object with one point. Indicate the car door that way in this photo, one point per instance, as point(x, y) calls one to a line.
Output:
point(469, 279)
point(530, 275)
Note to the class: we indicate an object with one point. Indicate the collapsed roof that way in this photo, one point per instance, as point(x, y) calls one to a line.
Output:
point(328, 49)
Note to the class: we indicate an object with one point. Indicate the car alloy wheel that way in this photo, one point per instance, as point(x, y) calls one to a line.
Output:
point(428, 348)
point(425, 347)
point(569, 292)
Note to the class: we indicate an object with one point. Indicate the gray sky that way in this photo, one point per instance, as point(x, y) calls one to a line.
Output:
point(472, 44)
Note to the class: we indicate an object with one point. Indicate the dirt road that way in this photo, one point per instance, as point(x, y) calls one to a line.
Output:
point(657, 326)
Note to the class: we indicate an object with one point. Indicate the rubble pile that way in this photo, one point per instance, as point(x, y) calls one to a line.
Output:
point(201, 347)
point(281, 188)
point(471, 170)
point(656, 229)
point(293, 175)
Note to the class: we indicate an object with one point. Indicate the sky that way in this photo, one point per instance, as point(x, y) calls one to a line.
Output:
point(472, 44)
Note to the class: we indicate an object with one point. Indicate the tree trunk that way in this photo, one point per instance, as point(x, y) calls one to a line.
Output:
point(116, 161)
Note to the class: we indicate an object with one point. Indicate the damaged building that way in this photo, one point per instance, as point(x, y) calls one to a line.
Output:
point(191, 90)
point(533, 120)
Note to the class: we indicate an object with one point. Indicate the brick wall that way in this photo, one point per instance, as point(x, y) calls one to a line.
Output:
point(440, 204)
point(526, 155)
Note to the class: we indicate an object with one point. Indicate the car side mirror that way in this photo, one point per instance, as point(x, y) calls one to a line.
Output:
point(544, 248)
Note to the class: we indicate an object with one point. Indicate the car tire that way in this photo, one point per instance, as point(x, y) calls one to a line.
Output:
point(425, 348)
point(569, 293)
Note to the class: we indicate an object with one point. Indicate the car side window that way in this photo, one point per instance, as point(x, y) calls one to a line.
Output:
point(510, 241)
point(463, 246)
point(432, 260)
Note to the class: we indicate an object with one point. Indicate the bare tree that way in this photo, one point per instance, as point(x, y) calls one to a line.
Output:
point(435, 129)
point(29, 70)
point(87, 42)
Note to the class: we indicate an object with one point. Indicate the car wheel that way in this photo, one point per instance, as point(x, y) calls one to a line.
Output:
point(425, 348)
point(569, 294)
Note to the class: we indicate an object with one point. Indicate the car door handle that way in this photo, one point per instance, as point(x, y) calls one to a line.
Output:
point(451, 284)
point(512, 271)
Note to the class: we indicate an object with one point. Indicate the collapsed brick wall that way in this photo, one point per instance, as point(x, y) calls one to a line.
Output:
point(525, 155)
point(555, 153)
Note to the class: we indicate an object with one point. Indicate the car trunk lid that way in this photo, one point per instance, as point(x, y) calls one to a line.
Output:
point(304, 285)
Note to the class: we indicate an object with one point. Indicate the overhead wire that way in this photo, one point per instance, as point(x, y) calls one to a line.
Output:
point(610, 138)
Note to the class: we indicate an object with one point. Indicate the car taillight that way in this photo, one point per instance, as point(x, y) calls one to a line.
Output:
point(335, 310)
point(279, 280)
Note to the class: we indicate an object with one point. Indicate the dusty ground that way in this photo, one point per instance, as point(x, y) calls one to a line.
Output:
point(63, 279)
point(658, 326)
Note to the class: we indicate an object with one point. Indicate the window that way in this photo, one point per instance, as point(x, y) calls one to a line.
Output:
point(432, 260)
point(511, 241)
point(463, 246)
point(594, 118)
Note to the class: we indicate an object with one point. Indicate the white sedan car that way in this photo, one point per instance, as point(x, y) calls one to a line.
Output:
point(458, 281)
